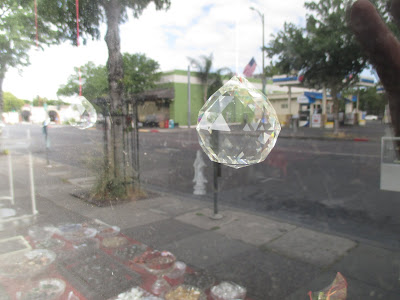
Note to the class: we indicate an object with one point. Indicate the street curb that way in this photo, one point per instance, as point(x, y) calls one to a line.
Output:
point(325, 138)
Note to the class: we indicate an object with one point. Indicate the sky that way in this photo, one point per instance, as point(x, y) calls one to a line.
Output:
point(228, 29)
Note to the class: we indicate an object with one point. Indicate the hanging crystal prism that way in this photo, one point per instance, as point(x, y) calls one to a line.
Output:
point(237, 126)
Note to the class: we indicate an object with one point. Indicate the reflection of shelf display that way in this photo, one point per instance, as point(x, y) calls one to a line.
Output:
point(201, 279)
point(46, 289)
point(159, 261)
point(98, 274)
point(51, 244)
point(104, 230)
point(28, 265)
point(14, 245)
point(185, 292)
point(136, 293)
point(130, 252)
point(114, 242)
point(227, 291)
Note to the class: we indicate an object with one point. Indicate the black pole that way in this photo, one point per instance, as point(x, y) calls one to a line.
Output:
point(217, 173)
point(216, 167)
point(105, 139)
point(137, 143)
point(47, 149)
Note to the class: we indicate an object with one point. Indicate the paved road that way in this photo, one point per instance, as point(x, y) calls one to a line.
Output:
point(330, 184)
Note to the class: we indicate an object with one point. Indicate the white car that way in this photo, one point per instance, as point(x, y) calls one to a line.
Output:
point(371, 118)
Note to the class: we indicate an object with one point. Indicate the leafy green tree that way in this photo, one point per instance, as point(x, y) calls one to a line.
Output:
point(17, 35)
point(372, 102)
point(203, 65)
point(207, 78)
point(12, 103)
point(140, 74)
point(94, 82)
point(62, 13)
point(217, 80)
point(40, 101)
point(325, 50)
point(271, 70)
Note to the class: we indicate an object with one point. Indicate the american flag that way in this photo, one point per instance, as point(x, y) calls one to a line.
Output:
point(249, 69)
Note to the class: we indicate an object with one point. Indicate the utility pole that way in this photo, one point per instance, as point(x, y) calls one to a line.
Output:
point(262, 49)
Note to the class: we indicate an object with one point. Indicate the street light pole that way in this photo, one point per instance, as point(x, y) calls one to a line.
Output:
point(189, 97)
point(263, 46)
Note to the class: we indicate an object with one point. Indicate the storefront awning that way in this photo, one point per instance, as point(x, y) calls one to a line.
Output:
point(154, 95)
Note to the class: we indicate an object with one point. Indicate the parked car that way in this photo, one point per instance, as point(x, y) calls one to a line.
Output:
point(371, 117)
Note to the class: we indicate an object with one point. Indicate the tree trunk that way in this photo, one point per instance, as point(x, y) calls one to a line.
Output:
point(115, 76)
point(205, 91)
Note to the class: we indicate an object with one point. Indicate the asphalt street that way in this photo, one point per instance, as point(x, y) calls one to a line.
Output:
point(330, 184)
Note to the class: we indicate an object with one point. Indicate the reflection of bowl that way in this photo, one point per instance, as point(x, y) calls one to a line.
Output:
point(157, 261)
point(186, 292)
point(114, 242)
point(46, 289)
point(28, 265)
point(50, 244)
point(130, 252)
point(80, 234)
point(136, 293)
point(65, 228)
point(227, 291)
point(41, 233)
point(106, 231)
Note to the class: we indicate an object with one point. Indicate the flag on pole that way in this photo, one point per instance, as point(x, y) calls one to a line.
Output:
point(249, 69)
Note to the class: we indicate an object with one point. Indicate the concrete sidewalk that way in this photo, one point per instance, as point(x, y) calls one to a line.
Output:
point(271, 258)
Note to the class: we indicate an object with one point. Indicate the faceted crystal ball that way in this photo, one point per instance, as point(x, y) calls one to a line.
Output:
point(81, 113)
point(237, 126)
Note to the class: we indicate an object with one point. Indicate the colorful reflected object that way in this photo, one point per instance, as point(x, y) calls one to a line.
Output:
point(336, 291)
point(238, 126)
point(81, 113)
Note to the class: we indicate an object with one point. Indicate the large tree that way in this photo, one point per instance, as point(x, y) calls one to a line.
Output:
point(11, 102)
point(94, 82)
point(140, 73)
point(92, 13)
point(18, 35)
point(325, 50)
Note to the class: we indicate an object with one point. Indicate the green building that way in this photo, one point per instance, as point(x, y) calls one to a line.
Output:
point(170, 99)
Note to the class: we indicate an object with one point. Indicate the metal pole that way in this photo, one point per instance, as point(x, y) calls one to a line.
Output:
point(47, 150)
point(263, 46)
point(11, 178)
point(32, 182)
point(137, 143)
point(189, 98)
point(215, 165)
point(217, 173)
point(263, 66)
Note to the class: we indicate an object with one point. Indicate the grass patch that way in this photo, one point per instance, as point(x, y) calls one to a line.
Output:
point(5, 152)
point(64, 180)
point(215, 228)
point(199, 214)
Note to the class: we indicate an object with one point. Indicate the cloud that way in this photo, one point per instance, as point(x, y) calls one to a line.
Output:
point(226, 28)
